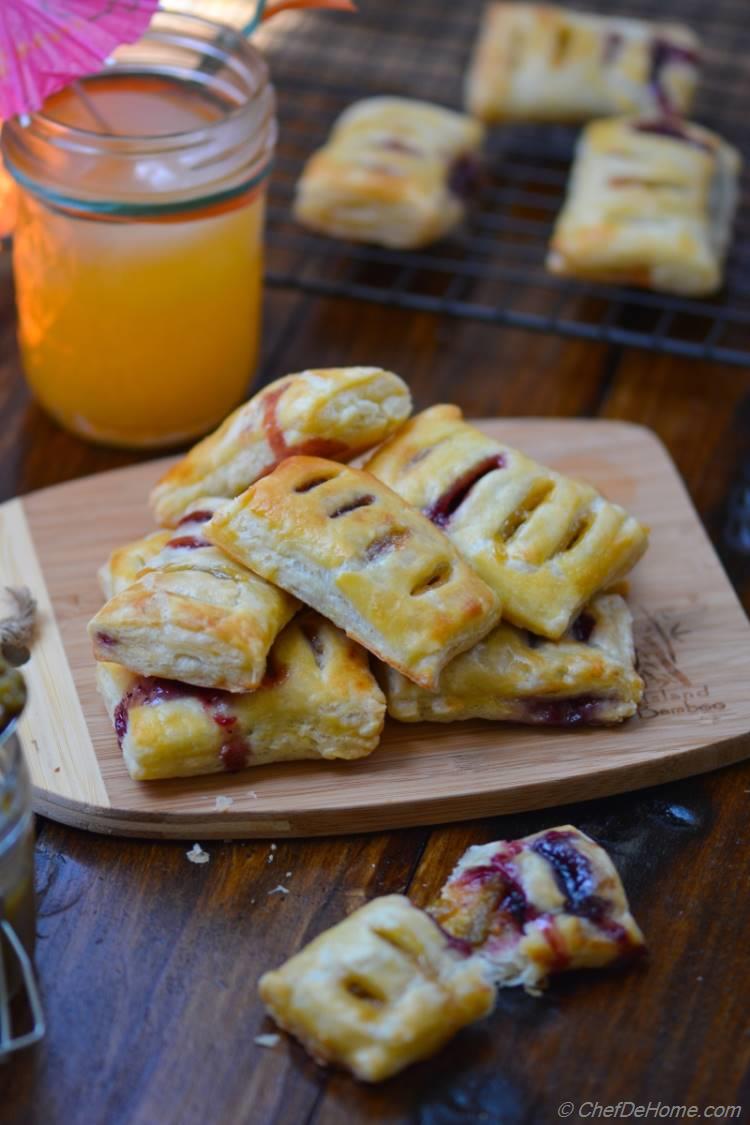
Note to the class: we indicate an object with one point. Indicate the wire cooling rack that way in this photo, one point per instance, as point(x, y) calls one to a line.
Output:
point(493, 269)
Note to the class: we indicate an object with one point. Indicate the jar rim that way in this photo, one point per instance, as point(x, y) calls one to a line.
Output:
point(210, 164)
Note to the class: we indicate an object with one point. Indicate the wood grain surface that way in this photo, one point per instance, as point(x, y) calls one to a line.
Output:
point(148, 963)
point(693, 647)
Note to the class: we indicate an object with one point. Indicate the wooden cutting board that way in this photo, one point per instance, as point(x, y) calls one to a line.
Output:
point(693, 640)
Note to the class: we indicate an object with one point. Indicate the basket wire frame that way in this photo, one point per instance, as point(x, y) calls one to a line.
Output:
point(492, 270)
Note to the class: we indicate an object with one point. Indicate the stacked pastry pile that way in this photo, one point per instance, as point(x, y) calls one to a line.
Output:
point(476, 577)
point(651, 196)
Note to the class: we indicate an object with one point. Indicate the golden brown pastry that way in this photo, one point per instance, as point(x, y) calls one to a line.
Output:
point(650, 203)
point(546, 544)
point(538, 62)
point(588, 677)
point(335, 412)
point(318, 700)
point(536, 906)
point(394, 171)
point(192, 613)
point(380, 990)
point(346, 545)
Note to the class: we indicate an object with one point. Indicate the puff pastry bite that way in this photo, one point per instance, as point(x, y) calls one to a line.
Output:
point(588, 677)
point(650, 203)
point(536, 906)
point(546, 544)
point(378, 991)
point(538, 62)
point(394, 171)
point(348, 546)
point(335, 412)
point(318, 700)
point(192, 614)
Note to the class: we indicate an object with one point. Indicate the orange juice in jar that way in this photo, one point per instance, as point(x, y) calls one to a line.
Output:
point(139, 238)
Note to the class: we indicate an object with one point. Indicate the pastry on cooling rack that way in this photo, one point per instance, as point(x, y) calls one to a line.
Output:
point(538, 62)
point(588, 677)
point(546, 544)
point(348, 546)
point(334, 412)
point(317, 700)
point(394, 171)
point(538, 905)
point(380, 990)
point(650, 203)
point(192, 613)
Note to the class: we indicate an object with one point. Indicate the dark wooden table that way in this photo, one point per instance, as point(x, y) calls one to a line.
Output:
point(148, 963)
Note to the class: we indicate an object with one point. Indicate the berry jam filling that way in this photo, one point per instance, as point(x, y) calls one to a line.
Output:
point(664, 54)
point(313, 447)
point(576, 880)
point(395, 144)
point(511, 899)
point(276, 673)
point(673, 130)
point(583, 627)
point(148, 690)
point(358, 502)
point(188, 542)
point(389, 542)
point(106, 640)
point(202, 516)
point(460, 945)
point(576, 711)
point(445, 507)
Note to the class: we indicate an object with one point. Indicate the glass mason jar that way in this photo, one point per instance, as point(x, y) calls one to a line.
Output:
point(17, 907)
point(138, 246)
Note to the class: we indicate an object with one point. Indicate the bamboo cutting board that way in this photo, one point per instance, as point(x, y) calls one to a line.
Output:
point(692, 635)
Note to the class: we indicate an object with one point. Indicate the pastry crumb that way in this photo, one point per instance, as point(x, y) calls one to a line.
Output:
point(222, 803)
point(279, 890)
point(268, 1040)
point(197, 854)
point(253, 794)
point(288, 875)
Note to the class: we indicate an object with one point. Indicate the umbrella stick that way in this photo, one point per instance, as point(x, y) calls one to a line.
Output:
point(92, 109)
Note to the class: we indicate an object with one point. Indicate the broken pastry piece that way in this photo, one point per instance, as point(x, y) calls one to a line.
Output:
point(335, 412)
point(192, 613)
point(345, 544)
point(650, 203)
point(318, 700)
point(395, 172)
point(538, 62)
point(539, 905)
point(588, 677)
point(545, 543)
point(380, 990)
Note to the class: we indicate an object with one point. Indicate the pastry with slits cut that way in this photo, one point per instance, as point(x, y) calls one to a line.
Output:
point(335, 412)
point(586, 678)
point(318, 699)
point(395, 171)
point(345, 544)
point(545, 543)
point(650, 203)
point(536, 906)
point(539, 62)
point(191, 614)
point(379, 991)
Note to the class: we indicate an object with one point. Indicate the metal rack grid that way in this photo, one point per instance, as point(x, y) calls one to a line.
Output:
point(493, 269)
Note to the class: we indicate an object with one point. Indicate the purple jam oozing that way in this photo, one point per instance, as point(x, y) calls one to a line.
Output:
point(189, 542)
point(512, 899)
point(451, 500)
point(106, 640)
point(465, 176)
point(575, 711)
point(148, 689)
point(234, 754)
point(583, 627)
point(202, 516)
point(389, 542)
point(673, 130)
point(460, 945)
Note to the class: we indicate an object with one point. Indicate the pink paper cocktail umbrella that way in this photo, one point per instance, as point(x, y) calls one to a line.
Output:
point(46, 44)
